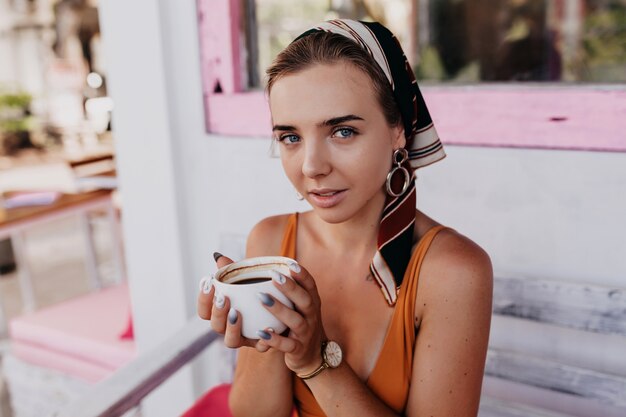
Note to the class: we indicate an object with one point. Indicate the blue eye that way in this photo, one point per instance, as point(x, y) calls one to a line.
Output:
point(345, 132)
point(289, 139)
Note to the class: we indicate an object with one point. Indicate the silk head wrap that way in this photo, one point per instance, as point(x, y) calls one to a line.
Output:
point(395, 234)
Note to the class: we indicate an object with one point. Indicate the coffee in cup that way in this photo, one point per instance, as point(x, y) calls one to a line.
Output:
point(242, 281)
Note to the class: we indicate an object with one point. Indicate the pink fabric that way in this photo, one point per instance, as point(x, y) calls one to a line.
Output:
point(214, 403)
point(68, 365)
point(129, 332)
point(85, 330)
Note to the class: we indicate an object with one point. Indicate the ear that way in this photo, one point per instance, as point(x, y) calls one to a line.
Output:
point(397, 138)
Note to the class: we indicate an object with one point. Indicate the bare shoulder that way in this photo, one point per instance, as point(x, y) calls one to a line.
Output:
point(455, 269)
point(266, 236)
point(456, 253)
point(453, 314)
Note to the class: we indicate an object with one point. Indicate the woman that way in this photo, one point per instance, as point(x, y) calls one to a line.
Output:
point(352, 127)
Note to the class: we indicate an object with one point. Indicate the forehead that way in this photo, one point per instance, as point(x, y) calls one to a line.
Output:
point(322, 91)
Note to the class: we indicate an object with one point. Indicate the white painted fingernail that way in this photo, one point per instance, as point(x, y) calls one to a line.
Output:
point(295, 267)
point(208, 283)
point(220, 300)
point(278, 277)
point(202, 281)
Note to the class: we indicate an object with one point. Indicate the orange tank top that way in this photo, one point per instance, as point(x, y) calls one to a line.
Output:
point(390, 379)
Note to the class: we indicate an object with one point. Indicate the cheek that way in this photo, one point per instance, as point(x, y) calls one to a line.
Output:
point(291, 166)
point(372, 167)
point(376, 159)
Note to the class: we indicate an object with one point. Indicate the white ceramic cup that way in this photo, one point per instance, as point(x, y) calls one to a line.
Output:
point(243, 297)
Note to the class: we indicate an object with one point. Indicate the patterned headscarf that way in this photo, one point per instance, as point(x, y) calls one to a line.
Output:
point(395, 234)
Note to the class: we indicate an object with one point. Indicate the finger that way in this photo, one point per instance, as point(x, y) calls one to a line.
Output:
point(221, 260)
point(302, 277)
point(205, 298)
point(219, 313)
point(278, 342)
point(261, 346)
point(232, 336)
point(292, 319)
point(302, 298)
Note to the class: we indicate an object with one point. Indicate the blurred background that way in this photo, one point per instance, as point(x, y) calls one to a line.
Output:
point(470, 41)
point(134, 142)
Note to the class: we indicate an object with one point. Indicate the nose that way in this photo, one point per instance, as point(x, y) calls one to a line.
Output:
point(316, 159)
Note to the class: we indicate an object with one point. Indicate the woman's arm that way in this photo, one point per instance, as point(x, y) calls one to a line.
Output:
point(456, 284)
point(262, 384)
point(339, 391)
point(451, 346)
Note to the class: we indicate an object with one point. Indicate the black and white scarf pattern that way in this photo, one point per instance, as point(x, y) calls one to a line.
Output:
point(395, 234)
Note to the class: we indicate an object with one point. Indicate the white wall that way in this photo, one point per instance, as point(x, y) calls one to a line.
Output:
point(540, 213)
point(550, 214)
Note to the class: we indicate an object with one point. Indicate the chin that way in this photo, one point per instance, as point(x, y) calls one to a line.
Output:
point(333, 215)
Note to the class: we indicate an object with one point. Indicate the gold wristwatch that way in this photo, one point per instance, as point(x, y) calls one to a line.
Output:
point(331, 358)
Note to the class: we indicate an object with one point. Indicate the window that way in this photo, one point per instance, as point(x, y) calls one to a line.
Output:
point(484, 83)
point(466, 41)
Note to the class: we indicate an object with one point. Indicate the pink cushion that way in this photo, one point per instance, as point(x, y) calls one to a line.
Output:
point(68, 365)
point(129, 331)
point(84, 330)
point(214, 403)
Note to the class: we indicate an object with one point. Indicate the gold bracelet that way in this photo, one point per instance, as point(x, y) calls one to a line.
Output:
point(316, 372)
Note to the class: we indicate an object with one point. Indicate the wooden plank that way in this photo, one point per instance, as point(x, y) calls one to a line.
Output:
point(65, 203)
point(490, 407)
point(605, 388)
point(127, 387)
point(579, 306)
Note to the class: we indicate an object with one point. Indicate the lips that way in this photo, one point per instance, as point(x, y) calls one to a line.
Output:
point(324, 192)
point(325, 197)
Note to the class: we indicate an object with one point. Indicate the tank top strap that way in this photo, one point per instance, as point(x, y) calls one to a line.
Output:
point(288, 245)
point(391, 375)
point(408, 291)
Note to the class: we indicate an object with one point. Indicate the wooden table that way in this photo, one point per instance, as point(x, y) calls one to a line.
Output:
point(15, 222)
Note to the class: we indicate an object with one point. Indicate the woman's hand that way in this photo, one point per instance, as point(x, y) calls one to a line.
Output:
point(224, 320)
point(302, 345)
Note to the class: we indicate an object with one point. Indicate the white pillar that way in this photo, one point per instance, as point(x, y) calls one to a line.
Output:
point(134, 48)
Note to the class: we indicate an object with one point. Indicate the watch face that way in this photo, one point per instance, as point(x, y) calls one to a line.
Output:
point(332, 354)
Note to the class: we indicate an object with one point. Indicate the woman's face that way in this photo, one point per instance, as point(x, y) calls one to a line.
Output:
point(335, 144)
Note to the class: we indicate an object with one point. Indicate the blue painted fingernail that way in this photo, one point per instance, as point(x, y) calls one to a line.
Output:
point(232, 316)
point(295, 267)
point(265, 299)
point(263, 334)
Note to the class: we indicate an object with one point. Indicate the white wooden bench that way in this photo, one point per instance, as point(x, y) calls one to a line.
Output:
point(556, 347)
point(522, 379)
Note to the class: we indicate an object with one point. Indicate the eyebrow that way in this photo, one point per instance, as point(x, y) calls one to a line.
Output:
point(330, 122)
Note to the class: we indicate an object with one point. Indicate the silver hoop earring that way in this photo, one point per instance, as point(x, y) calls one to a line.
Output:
point(299, 196)
point(399, 157)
